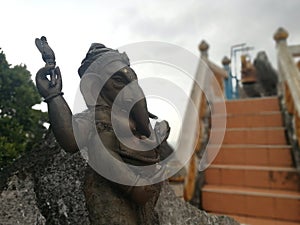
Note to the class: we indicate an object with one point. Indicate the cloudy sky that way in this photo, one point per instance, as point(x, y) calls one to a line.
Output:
point(72, 25)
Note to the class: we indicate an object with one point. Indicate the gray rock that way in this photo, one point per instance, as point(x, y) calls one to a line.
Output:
point(45, 186)
point(18, 204)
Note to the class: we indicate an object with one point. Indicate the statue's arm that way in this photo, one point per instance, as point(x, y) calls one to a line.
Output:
point(60, 115)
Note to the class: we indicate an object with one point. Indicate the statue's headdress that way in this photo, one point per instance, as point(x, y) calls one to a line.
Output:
point(96, 68)
point(99, 57)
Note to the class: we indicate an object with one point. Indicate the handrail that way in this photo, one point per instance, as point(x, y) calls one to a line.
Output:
point(289, 82)
point(210, 77)
point(287, 68)
point(219, 72)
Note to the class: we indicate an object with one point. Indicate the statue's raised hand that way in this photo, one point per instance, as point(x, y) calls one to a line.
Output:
point(43, 84)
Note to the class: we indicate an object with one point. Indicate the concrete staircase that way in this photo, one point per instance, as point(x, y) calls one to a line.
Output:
point(252, 178)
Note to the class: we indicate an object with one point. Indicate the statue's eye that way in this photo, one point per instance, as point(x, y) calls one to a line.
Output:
point(119, 81)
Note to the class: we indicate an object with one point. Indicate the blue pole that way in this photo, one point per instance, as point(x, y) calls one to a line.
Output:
point(229, 93)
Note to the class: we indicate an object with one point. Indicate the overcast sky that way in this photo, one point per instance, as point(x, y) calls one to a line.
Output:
point(71, 26)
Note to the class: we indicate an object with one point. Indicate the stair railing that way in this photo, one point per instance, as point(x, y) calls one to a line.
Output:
point(289, 89)
point(210, 77)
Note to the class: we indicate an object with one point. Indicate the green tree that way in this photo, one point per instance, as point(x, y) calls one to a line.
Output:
point(21, 126)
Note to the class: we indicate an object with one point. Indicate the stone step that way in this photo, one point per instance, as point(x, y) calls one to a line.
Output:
point(269, 204)
point(258, 136)
point(259, 155)
point(281, 178)
point(254, 120)
point(252, 105)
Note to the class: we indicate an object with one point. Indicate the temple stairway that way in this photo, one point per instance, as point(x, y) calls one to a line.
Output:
point(252, 178)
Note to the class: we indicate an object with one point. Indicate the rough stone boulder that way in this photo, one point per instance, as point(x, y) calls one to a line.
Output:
point(45, 187)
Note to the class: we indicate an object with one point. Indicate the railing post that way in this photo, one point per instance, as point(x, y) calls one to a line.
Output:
point(280, 37)
point(218, 71)
point(203, 48)
point(289, 81)
point(197, 98)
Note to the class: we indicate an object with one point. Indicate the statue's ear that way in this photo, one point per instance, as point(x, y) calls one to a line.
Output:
point(90, 87)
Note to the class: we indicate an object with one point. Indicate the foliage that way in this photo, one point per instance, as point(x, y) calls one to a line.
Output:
point(21, 126)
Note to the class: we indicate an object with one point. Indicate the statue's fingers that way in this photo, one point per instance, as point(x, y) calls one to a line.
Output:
point(58, 74)
point(43, 72)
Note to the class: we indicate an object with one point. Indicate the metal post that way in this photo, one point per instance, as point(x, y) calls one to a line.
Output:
point(229, 93)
